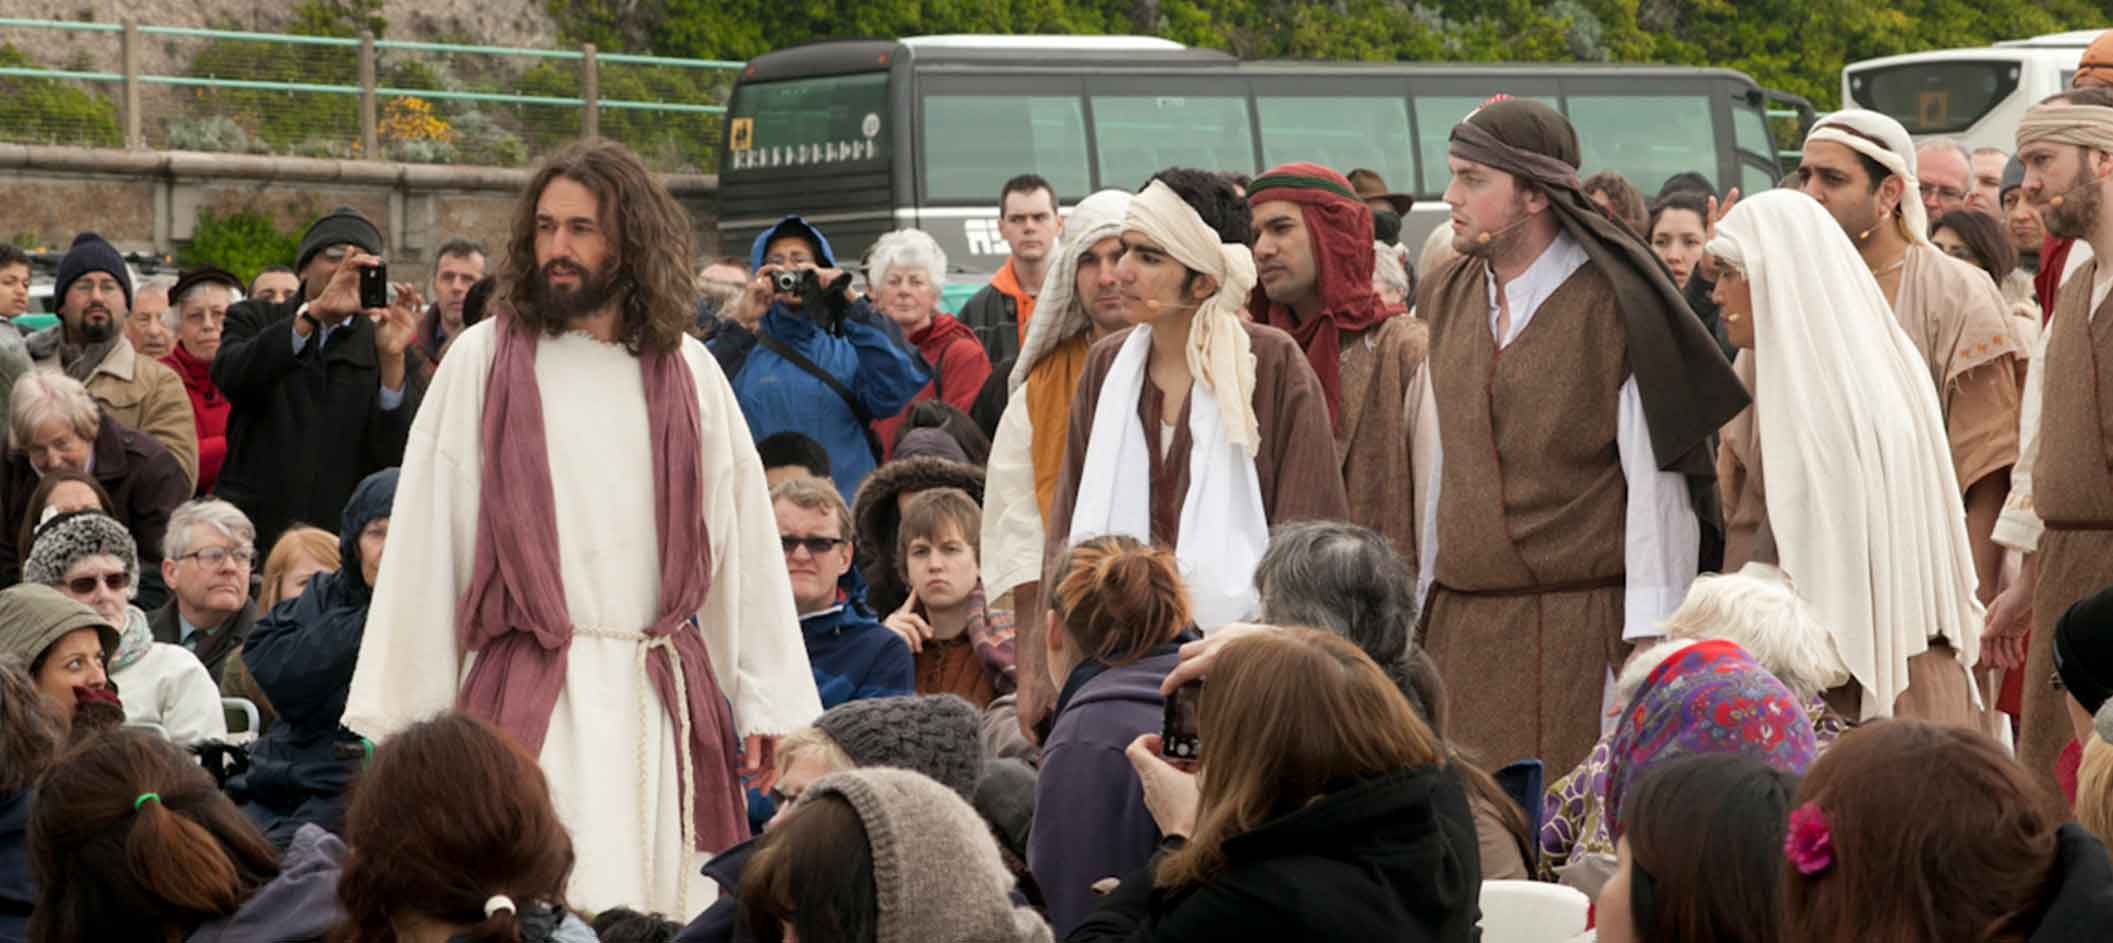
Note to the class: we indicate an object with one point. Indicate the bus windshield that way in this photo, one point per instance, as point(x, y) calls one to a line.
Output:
point(831, 121)
point(1935, 97)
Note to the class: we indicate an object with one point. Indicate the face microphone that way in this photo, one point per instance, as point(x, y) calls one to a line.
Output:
point(1486, 236)
point(1156, 306)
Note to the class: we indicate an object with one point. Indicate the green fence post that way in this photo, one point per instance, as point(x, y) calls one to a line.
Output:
point(128, 52)
point(370, 141)
point(590, 93)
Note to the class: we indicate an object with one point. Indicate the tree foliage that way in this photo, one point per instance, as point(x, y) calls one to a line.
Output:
point(1798, 46)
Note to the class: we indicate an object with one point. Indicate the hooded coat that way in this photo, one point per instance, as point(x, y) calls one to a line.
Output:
point(1390, 858)
point(298, 906)
point(302, 655)
point(876, 516)
point(868, 356)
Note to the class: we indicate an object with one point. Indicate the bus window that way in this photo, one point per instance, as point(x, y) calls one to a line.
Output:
point(1435, 117)
point(818, 122)
point(1750, 131)
point(1140, 135)
point(974, 143)
point(1936, 97)
point(1646, 138)
point(1342, 133)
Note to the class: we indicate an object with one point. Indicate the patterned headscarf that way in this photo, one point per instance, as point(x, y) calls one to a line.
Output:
point(1709, 697)
point(1339, 230)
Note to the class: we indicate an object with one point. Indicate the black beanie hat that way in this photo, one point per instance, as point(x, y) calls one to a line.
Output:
point(343, 226)
point(203, 275)
point(90, 253)
point(2083, 649)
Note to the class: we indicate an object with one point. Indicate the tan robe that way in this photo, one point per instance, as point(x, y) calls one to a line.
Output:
point(1956, 317)
point(1377, 369)
point(1295, 465)
point(2072, 483)
point(1524, 618)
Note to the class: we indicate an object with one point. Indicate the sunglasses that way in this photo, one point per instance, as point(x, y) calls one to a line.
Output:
point(816, 546)
point(83, 585)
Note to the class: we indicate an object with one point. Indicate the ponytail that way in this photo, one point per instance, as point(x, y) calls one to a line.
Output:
point(176, 861)
point(1118, 599)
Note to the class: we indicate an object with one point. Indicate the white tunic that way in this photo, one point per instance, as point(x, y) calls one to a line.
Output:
point(610, 753)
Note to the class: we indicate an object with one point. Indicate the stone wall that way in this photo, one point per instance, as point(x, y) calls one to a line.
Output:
point(148, 201)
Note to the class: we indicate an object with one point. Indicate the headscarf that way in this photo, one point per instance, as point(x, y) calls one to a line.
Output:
point(1709, 697)
point(1862, 495)
point(1688, 389)
point(1339, 227)
point(2088, 126)
point(1059, 314)
point(1882, 139)
point(2097, 62)
point(1218, 350)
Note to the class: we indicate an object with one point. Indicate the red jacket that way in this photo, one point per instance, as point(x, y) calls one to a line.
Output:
point(959, 370)
point(208, 408)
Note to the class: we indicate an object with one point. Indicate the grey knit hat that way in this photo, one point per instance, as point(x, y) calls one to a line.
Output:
point(934, 734)
point(68, 538)
point(34, 617)
point(912, 822)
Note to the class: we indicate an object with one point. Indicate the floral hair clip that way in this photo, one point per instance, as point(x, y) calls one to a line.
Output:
point(1810, 842)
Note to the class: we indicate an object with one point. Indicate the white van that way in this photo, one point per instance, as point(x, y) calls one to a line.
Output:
point(1973, 95)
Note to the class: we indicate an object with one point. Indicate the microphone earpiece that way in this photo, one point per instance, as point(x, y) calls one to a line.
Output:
point(1484, 238)
point(1155, 306)
point(2056, 202)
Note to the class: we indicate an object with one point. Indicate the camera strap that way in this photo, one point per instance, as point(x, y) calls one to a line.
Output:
point(858, 410)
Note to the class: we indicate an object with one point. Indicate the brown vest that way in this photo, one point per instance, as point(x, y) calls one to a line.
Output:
point(2072, 483)
point(1532, 493)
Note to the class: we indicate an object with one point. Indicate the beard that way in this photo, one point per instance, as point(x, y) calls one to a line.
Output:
point(2077, 217)
point(593, 292)
point(96, 332)
point(1860, 222)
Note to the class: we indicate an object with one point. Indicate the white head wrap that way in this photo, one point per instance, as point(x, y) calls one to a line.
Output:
point(1059, 314)
point(1862, 496)
point(1218, 351)
point(1884, 140)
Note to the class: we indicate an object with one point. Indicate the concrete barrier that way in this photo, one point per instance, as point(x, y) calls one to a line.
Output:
point(149, 201)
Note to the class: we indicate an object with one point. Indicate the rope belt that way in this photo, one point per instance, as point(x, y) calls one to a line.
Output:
point(686, 764)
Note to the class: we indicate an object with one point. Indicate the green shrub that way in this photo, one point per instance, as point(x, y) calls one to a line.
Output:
point(217, 133)
point(243, 242)
point(51, 111)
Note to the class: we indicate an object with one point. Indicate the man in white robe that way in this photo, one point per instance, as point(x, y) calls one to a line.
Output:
point(592, 302)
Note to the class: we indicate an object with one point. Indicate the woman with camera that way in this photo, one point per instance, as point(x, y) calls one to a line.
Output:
point(1320, 809)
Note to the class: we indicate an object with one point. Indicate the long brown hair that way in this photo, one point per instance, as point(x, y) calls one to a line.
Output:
point(130, 839)
point(1117, 599)
point(649, 240)
point(1283, 715)
point(1936, 834)
point(450, 813)
point(813, 871)
point(29, 734)
point(33, 512)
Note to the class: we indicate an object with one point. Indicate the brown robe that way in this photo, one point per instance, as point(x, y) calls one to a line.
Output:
point(1378, 368)
point(2072, 491)
point(1954, 315)
point(1524, 618)
point(1295, 465)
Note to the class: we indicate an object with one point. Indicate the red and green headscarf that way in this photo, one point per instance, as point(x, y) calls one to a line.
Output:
point(1340, 226)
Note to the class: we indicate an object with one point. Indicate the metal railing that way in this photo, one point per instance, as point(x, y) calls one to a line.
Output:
point(360, 96)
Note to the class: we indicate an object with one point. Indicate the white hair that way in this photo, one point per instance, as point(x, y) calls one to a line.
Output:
point(1760, 611)
point(219, 515)
point(42, 396)
point(160, 283)
point(173, 317)
point(1388, 274)
point(1945, 144)
point(913, 248)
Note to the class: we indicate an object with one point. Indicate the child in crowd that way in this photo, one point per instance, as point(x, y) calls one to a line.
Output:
point(962, 646)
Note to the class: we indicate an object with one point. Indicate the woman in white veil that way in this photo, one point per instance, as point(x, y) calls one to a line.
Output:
point(1862, 505)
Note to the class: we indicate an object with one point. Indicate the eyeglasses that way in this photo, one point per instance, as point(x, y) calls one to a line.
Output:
point(83, 585)
point(1931, 191)
point(816, 546)
point(219, 556)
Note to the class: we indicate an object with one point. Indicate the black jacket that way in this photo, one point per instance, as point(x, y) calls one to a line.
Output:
point(145, 485)
point(995, 318)
point(2082, 908)
point(719, 923)
point(302, 654)
point(1391, 859)
point(304, 428)
point(221, 644)
point(18, 889)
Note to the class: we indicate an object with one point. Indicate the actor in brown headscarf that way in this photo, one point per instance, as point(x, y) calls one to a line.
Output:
point(1313, 264)
point(1563, 442)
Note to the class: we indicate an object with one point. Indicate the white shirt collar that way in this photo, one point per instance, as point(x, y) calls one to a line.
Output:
point(1557, 263)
